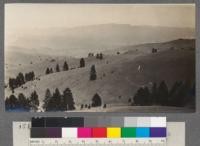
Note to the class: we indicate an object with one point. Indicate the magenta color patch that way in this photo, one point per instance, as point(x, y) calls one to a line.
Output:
point(84, 132)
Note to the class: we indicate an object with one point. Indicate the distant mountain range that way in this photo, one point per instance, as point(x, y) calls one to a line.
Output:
point(79, 41)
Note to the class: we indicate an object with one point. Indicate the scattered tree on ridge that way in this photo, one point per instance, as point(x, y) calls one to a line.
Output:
point(93, 75)
point(96, 100)
point(65, 66)
point(57, 68)
point(82, 62)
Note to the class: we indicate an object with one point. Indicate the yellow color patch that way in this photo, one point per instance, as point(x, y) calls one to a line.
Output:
point(114, 132)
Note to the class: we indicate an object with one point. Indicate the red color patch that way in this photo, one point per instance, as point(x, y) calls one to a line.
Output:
point(99, 132)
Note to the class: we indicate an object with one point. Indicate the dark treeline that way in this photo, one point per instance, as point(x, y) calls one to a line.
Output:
point(22, 102)
point(181, 94)
point(90, 54)
point(93, 74)
point(99, 56)
point(52, 102)
point(65, 67)
point(49, 71)
point(20, 80)
point(154, 50)
point(65, 101)
point(58, 101)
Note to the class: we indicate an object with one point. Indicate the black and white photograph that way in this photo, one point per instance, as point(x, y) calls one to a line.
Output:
point(136, 58)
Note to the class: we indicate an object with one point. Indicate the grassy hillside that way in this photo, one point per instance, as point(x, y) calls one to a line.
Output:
point(118, 77)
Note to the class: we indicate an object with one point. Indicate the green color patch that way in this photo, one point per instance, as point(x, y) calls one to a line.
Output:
point(127, 132)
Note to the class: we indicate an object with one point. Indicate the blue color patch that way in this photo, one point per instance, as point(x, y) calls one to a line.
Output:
point(142, 132)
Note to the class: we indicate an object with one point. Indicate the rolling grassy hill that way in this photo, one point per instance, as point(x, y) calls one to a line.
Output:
point(118, 76)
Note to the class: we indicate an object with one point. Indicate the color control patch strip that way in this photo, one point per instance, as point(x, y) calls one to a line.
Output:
point(78, 127)
point(98, 132)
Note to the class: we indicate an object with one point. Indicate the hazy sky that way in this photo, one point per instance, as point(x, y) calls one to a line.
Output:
point(20, 16)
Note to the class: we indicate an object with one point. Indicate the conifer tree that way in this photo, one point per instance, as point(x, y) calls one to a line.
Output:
point(97, 55)
point(68, 101)
point(93, 75)
point(142, 97)
point(163, 93)
point(154, 96)
point(57, 99)
point(96, 100)
point(82, 62)
point(51, 70)
point(22, 101)
point(21, 79)
point(47, 71)
point(13, 102)
point(34, 101)
point(47, 98)
point(57, 68)
point(101, 56)
point(65, 66)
